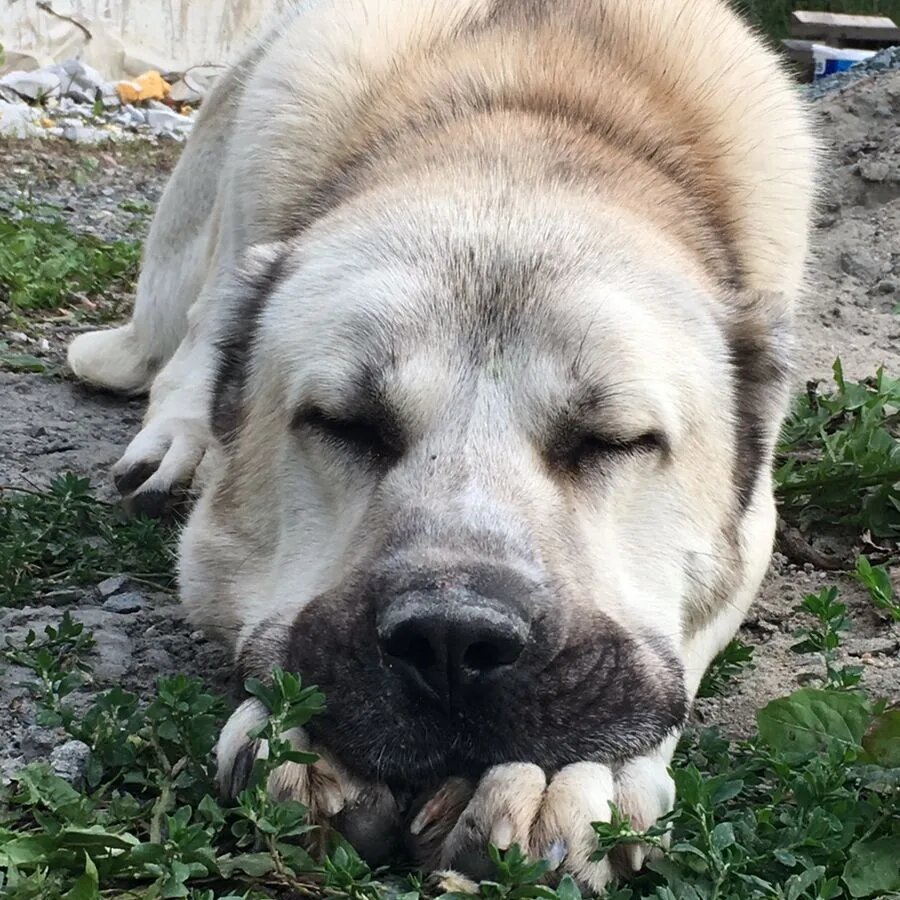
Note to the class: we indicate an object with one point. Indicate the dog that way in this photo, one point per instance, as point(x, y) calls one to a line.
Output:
point(469, 323)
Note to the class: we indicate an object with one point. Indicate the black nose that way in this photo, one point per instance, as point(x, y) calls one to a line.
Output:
point(446, 644)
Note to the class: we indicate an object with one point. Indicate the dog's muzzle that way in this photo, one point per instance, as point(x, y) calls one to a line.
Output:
point(429, 674)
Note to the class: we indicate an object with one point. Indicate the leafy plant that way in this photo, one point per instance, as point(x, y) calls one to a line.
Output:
point(877, 582)
point(839, 458)
point(825, 636)
point(43, 263)
point(725, 668)
point(806, 808)
point(64, 536)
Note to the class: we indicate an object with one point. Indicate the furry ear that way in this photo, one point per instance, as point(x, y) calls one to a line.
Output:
point(242, 302)
point(758, 327)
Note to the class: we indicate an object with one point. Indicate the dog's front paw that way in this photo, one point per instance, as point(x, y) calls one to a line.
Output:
point(548, 818)
point(365, 814)
point(162, 459)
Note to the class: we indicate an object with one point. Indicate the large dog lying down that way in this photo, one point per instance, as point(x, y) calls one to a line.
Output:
point(468, 320)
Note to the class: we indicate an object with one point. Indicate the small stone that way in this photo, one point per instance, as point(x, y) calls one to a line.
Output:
point(166, 120)
point(860, 264)
point(875, 170)
point(83, 134)
point(33, 85)
point(869, 646)
point(61, 596)
point(886, 287)
point(113, 585)
point(182, 92)
point(36, 740)
point(70, 760)
point(78, 80)
point(19, 120)
point(125, 603)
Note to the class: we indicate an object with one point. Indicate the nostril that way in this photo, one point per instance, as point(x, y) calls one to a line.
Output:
point(412, 647)
point(484, 655)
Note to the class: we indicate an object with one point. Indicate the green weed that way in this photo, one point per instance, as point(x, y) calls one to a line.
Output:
point(839, 458)
point(806, 808)
point(725, 668)
point(44, 264)
point(64, 536)
point(877, 582)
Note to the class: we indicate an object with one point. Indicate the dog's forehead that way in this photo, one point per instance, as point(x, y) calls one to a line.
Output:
point(472, 301)
point(427, 329)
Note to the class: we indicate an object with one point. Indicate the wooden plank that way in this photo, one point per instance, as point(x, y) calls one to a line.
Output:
point(801, 59)
point(834, 27)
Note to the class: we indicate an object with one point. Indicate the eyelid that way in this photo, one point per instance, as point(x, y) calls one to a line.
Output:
point(586, 447)
point(364, 435)
point(646, 442)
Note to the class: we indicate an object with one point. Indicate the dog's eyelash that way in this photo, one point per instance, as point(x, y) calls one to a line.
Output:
point(588, 448)
point(360, 435)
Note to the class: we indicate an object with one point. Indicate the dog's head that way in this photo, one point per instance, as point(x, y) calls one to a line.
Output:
point(484, 473)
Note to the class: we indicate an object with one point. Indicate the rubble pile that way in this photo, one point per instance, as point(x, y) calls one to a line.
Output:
point(71, 100)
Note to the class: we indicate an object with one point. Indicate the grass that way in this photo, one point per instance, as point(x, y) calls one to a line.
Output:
point(44, 265)
point(64, 537)
point(773, 16)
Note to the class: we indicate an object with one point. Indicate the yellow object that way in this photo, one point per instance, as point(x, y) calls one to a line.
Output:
point(149, 86)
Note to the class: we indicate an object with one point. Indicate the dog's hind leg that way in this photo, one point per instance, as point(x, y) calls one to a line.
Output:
point(178, 256)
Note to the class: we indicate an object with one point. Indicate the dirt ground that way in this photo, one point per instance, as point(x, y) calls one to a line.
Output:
point(49, 425)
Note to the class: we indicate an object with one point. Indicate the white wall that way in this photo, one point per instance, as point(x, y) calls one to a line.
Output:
point(130, 36)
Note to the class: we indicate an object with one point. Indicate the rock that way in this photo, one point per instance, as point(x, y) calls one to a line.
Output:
point(19, 120)
point(84, 134)
point(876, 171)
point(886, 287)
point(80, 81)
point(860, 264)
point(125, 603)
point(70, 760)
point(166, 120)
point(113, 585)
point(195, 84)
point(182, 92)
point(61, 597)
point(33, 85)
point(114, 653)
point(36, 740)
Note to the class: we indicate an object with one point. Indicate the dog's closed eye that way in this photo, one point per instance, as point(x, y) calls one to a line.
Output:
point(580, 451)
point(374, 442)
